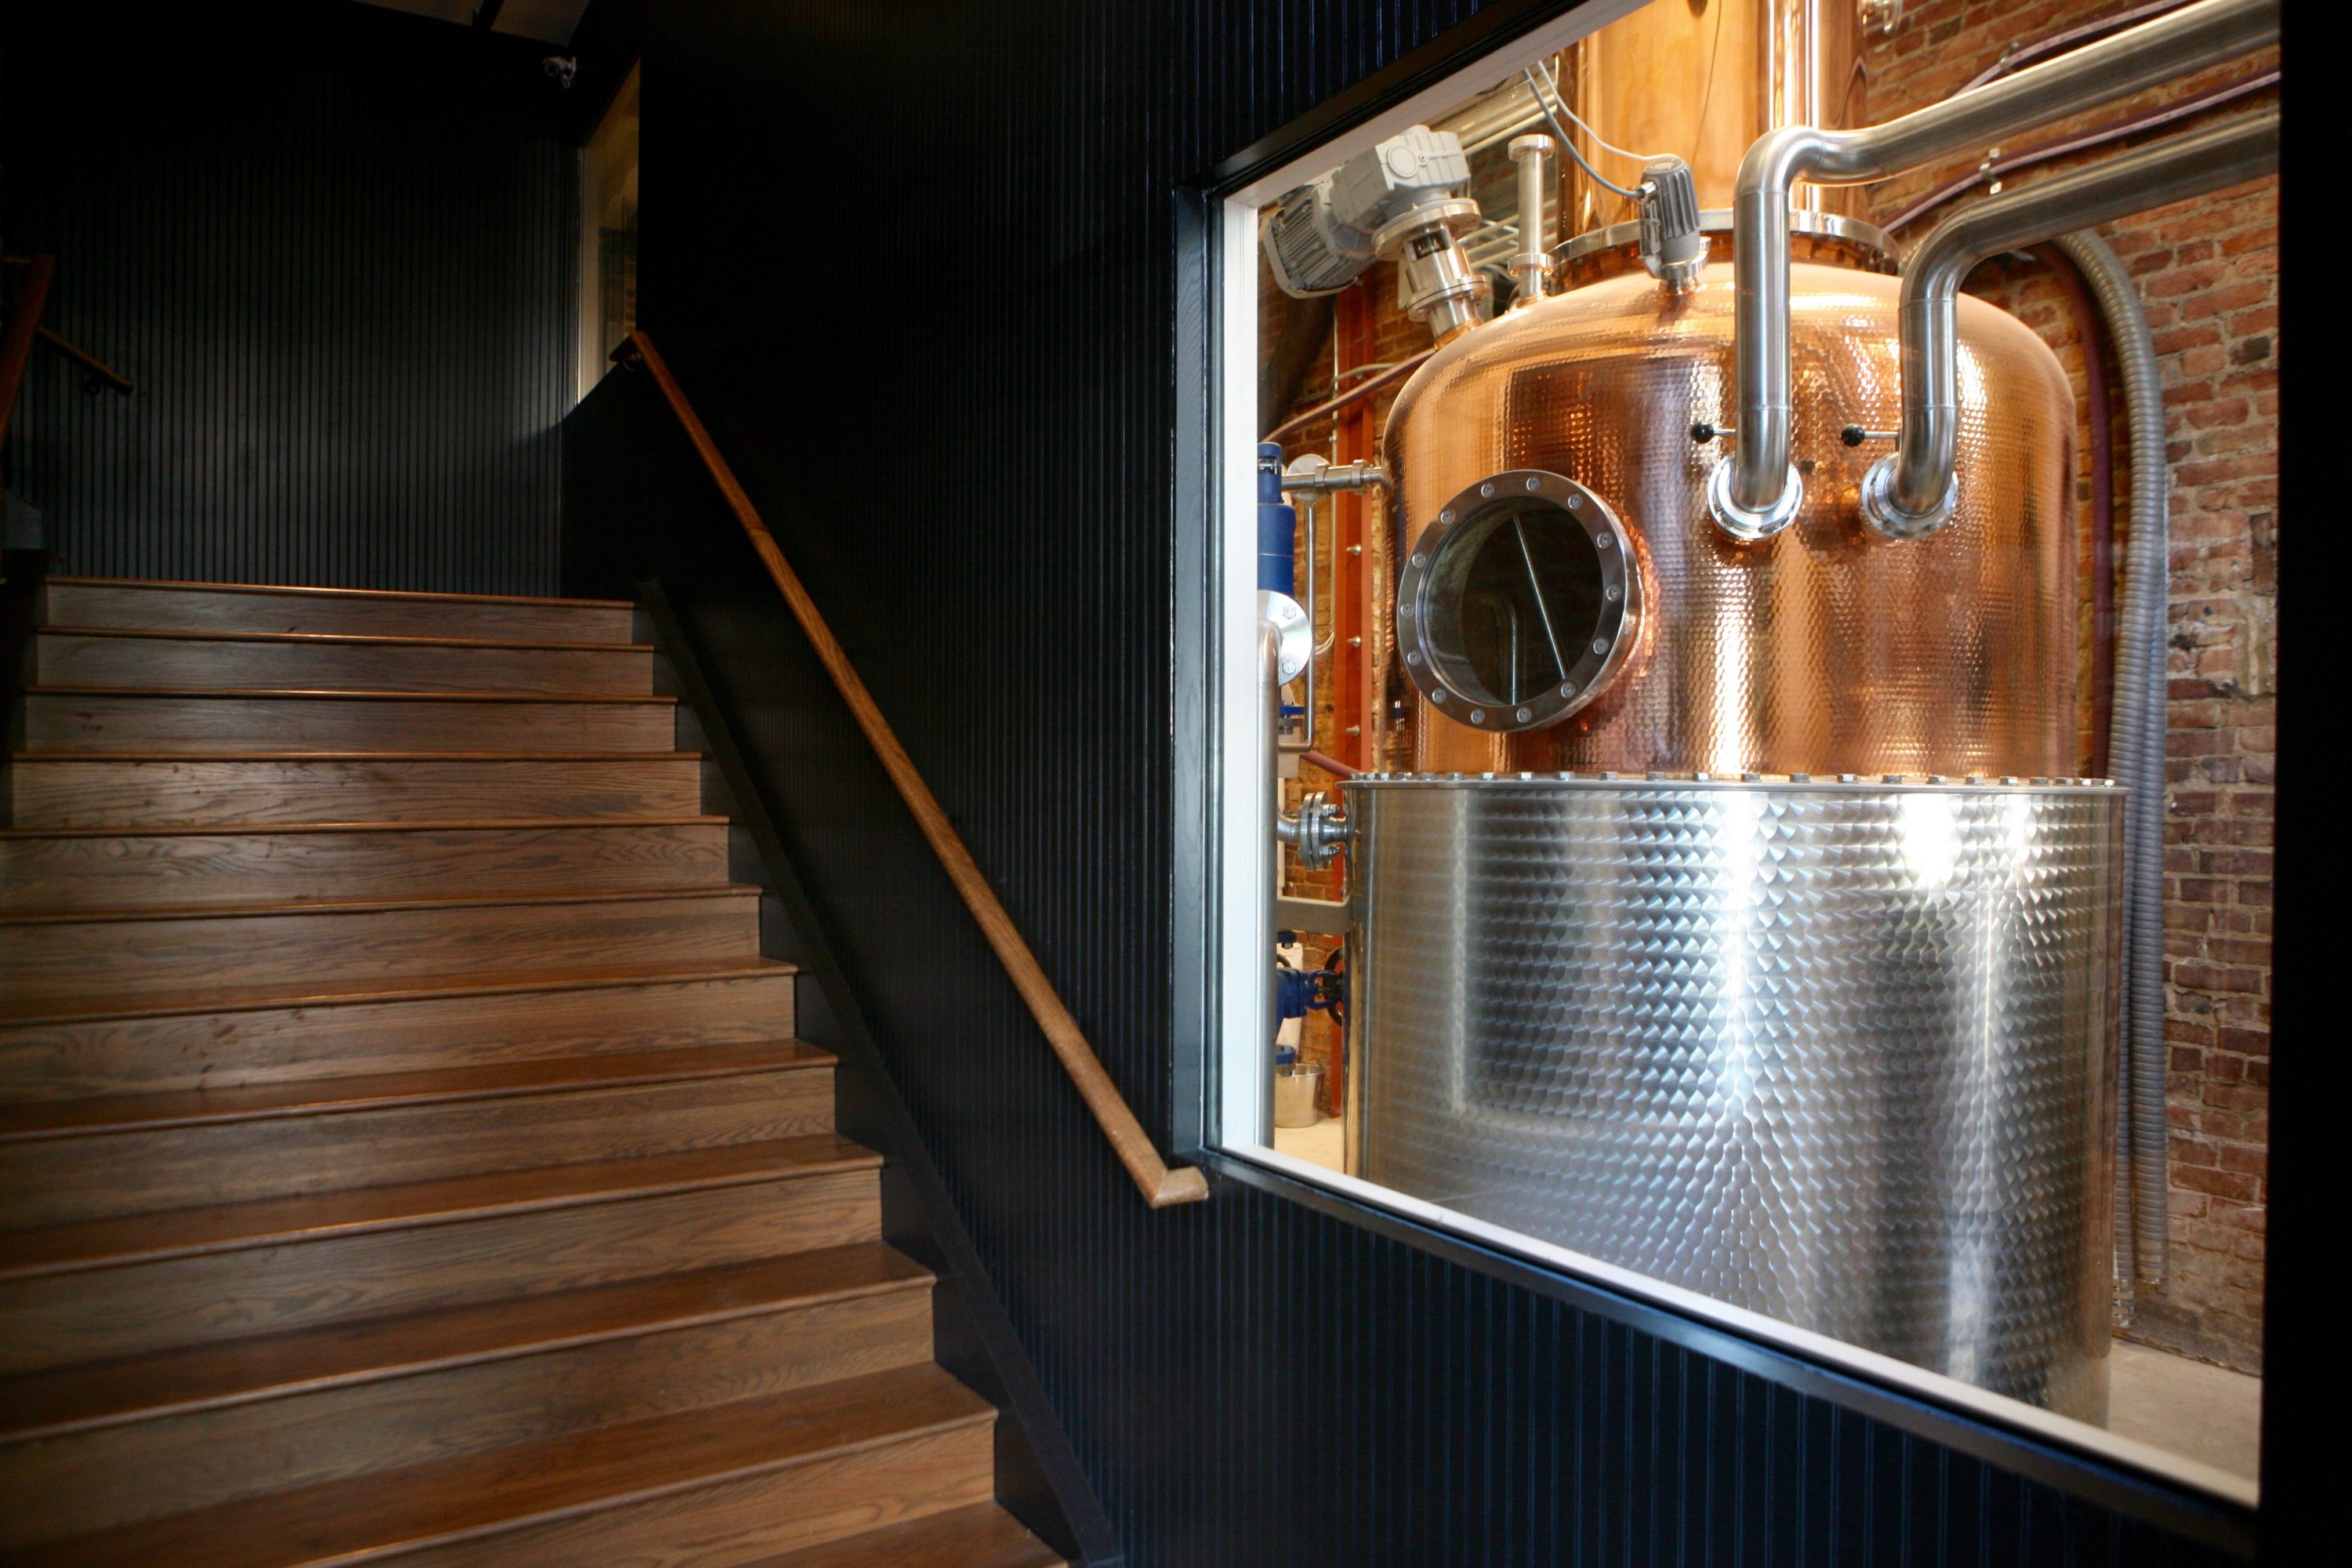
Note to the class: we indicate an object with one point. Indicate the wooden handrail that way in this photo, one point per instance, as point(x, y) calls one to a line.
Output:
point(99, 369)
point(1160, 1185)
point(17, 338)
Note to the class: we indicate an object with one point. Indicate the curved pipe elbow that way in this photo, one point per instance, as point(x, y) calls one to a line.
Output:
point(1751, 497)
point(1914, 490)
point(1753, 492)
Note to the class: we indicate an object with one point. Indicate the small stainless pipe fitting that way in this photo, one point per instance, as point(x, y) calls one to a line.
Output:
point(1911, 491)
point(1751, 492)
point(1532, 268)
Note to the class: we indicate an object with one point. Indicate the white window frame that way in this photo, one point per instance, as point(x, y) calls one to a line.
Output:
point(1232, 899)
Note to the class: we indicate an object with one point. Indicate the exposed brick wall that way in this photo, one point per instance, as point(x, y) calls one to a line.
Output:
point(2208, 271)
point(1395, 338)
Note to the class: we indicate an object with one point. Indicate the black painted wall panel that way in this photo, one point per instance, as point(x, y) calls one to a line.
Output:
point(963, 438)
point(334, 247)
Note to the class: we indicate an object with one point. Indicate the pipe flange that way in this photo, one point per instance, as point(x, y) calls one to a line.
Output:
point(1752, 523)
point(1323, 831)
point(1294, 635)
point(1885, 514)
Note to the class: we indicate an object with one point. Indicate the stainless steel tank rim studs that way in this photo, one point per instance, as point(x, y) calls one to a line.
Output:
point(1753, 523)
point(1664, 786)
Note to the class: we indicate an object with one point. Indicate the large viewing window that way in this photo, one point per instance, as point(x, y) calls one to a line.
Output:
point(1720, 905)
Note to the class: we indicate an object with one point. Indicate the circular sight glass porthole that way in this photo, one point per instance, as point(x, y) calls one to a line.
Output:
point(1517, 605)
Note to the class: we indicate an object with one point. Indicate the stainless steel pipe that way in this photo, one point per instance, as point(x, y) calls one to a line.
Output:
point(1532, 266)
point(1755, 490)
point(1911, 491)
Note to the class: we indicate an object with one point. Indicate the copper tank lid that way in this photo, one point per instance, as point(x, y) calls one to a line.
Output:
point(1840, 238)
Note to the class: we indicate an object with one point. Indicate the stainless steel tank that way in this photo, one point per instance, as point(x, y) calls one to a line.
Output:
point(1840, 1053)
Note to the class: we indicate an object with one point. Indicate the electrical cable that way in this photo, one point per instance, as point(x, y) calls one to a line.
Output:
point(1569, 142)
point(1706, 93)
point(1552, 82)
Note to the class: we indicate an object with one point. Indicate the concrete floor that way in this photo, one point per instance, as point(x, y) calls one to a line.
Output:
point(2170, 1402)
point(1324, 1143)
point(2206, 1413)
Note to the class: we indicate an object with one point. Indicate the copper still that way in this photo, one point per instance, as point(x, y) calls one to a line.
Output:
point(1826, 648)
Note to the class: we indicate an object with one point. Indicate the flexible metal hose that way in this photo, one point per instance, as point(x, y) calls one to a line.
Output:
point(2137, 745)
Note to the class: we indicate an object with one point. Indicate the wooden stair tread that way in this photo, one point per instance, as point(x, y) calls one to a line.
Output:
point(173, 950)
point(345, 694)
point(485, 1259)
point(46, 1403)
point(367, 906)
point(256, 998)
point(78, 758)
point(329, 1095)
point(369, 825)
point(371, 1516)
point(359, 640)
point(981, 1537)
point(170, 585)
point(270, 1222)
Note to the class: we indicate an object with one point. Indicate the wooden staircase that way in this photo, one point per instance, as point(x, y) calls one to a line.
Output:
point(405, 1153)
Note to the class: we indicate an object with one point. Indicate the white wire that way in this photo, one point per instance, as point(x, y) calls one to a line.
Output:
point(1567, 143)
point(1553, 83)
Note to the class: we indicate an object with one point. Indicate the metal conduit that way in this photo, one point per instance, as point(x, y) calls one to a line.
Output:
point(2137, 748)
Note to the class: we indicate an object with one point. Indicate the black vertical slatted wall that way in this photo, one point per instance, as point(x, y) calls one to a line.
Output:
point(916, 264)
point(334, 247)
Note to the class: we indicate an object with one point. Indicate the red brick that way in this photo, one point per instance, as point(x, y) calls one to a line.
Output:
point(2217, 1184)
point(2248, 1096)
point(2237, 1157)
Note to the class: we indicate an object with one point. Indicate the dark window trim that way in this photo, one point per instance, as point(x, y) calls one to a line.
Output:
point(1196, 677)
point(2095, 1478)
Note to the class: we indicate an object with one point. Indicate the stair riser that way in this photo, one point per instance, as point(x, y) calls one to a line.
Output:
point(60, 1319)
point(63, 793)
point(64, 959)
point(69, 659)
point(225, 609)
point(45, 1181)
point(72, 722)
point(76, 1482)
point(740, 1522)
point(178, 870)
point(188, 1050)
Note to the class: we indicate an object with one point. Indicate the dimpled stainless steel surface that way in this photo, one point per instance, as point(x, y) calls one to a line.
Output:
point(1840, 1055)
point(1825, 649)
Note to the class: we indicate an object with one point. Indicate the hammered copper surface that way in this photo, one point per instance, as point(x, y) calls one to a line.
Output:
point(1840, 1055)
point(1827, 649)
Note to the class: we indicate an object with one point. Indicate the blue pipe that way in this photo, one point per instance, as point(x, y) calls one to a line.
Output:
point(1278, 526)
